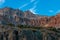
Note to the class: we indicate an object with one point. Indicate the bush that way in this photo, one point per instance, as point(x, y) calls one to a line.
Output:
point(10, 24)
point(53, 29)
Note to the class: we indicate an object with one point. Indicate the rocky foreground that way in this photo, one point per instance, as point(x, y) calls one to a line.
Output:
point(26, 33)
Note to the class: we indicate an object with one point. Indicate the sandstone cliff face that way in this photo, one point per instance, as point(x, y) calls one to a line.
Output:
point(54, 21)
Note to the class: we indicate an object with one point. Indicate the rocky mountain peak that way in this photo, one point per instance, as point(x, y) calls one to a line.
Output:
point(16, 16)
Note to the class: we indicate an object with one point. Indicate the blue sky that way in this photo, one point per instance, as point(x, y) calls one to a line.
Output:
point(40, 7)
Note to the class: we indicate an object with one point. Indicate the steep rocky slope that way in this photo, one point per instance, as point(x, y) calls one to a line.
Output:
point(31, 23)
point(16, 16)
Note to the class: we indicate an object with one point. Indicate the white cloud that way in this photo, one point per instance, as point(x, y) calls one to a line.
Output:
point(24, 5)
point(36, 2)
point(51, 11)
point(58, 11)
point(2, 1)
point(33, 11)
point(55, 12)
point(32, 0)
point(33, 7)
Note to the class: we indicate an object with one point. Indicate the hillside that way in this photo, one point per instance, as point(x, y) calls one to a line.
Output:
point(10, 32)
point(18, 25)
point(16, 16)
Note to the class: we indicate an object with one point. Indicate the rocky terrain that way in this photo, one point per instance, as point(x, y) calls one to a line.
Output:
point(18, 25)
point(16, 16)
point(16, 33)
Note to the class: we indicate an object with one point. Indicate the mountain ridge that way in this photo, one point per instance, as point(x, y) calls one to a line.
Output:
point(16, 16)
